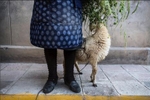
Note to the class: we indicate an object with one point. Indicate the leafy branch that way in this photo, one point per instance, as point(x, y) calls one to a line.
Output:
point(99, 11)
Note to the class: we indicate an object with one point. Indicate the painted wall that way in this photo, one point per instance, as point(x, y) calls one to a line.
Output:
point(15, 19)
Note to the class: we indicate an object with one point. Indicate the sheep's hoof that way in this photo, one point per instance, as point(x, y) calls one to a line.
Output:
point(95, 85)
point(80, 73)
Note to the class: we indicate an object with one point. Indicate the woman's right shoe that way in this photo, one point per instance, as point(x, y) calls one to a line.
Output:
point(49, 86)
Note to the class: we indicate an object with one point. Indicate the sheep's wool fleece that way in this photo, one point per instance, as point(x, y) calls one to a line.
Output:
point(56, 24)
point(96, 47)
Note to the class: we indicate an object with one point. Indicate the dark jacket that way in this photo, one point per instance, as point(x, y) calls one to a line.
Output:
point(56, 24)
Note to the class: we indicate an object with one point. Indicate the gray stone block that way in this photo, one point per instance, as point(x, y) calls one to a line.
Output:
point(27, 86)
point(4, 86)
point(11, 75)
point(21, 55)
point(147, 67)
point(126, 56)
point(103, 89)
point(26, 55)
point(5, 30)
point(110, 68)
point(38, 67)
point(147, 84)
point(134, 68)
point(148, 57)
point(141, 76)
point(3, 65)
point(135, 28)
point(17, 67)
point(20, 21)
point(37, 74)
point(119, 76)
point(131, 88)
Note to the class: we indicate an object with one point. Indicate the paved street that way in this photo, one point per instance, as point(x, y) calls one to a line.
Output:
point(112, 80)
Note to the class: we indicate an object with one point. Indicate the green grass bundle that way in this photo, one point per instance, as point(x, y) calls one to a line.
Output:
point(99, 11)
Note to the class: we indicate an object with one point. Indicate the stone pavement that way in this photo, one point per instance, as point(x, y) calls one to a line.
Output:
point(22, 81)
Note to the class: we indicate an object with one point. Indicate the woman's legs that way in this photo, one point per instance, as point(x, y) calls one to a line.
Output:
point(51, 60)
point(69, 79)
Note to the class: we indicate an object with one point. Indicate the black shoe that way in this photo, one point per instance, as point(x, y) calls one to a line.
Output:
point(49, 86)
point(74, 86)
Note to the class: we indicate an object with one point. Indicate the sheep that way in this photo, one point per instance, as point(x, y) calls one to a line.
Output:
point(94, 49)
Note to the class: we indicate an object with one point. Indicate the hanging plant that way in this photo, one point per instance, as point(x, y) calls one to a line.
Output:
point(99, 11)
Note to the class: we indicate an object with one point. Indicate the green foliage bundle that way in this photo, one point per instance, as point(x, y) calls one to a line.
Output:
point(99, 11)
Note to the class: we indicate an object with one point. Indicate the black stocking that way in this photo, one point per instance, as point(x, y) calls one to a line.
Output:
point(69, 56)
point(51, 59)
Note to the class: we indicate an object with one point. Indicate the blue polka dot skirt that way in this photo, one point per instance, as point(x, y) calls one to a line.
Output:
point(56, 24)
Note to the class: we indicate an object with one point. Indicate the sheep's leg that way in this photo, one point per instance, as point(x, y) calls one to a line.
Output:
point(77, 67)
point(93, 74)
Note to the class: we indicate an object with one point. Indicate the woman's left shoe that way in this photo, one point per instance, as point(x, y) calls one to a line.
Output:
point(74, 86)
